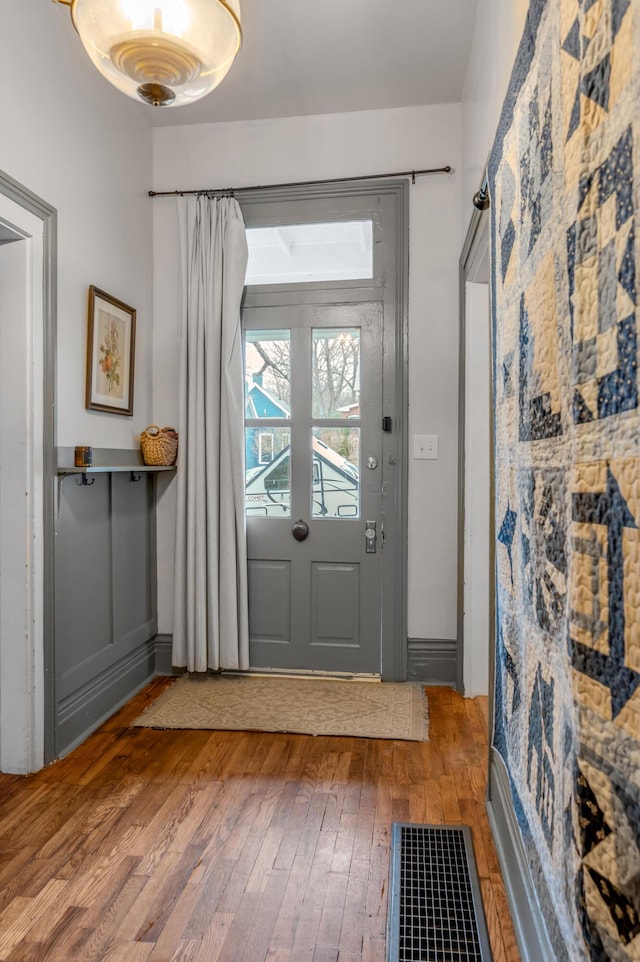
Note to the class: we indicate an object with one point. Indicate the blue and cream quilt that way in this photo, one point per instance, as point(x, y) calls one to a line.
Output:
point(565, 191)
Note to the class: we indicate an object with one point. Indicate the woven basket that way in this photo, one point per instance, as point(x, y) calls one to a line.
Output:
point(159, 445)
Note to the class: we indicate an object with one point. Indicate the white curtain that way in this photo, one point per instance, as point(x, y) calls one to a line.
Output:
point(210, 602)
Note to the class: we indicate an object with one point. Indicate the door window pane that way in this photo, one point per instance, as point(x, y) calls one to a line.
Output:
point(267, 366)
point(300, 253)
point(335, 372)
point(335, 472)
point(268, 472)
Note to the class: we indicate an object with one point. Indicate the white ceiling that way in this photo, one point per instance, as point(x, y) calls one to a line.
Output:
point(304, 57)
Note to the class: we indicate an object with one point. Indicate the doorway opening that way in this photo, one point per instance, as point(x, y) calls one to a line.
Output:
point(475, 444)
point(325, 325)
point(27, 473)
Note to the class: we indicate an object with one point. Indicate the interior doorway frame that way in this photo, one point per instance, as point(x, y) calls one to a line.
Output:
point(35, 205)
point(395, 400)
point(474, 249)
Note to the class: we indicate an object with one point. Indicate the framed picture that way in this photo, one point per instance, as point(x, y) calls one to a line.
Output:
point(111, 345)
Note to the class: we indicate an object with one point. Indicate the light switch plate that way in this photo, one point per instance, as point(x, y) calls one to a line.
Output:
point(425, 447)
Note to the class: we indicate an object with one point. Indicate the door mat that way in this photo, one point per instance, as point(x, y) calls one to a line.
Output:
point(308, 706)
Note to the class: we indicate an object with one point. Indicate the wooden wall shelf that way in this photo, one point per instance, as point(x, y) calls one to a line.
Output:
point(108, 460)
point(111, 468)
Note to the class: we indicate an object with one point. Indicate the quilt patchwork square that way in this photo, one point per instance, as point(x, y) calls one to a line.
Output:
point(601, 256)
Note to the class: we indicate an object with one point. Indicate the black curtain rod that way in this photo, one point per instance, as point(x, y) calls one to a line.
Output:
point(302, 183)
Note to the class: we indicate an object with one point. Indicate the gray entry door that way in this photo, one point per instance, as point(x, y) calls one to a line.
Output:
point(313, 486)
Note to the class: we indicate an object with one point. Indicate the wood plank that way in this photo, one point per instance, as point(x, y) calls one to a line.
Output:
point(46, 942)
point(128, 952)
point(255, 930)
point(214, 938)
point(332, 911)
point(21, 915)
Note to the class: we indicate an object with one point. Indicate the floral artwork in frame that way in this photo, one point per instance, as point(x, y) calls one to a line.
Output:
point(111, 340)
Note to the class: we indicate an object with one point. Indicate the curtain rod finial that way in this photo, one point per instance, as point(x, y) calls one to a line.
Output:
point(481, 199)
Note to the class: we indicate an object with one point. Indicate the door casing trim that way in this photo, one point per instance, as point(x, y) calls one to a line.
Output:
point(30, 202)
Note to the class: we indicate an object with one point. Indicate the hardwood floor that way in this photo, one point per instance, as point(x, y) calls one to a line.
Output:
point(172, 846)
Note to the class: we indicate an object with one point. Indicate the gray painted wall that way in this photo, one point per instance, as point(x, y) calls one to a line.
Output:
point(105, 599)
point(433, 661)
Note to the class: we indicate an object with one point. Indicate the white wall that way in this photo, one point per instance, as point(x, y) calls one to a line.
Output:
point(340, 145)
point(498, 28)
point(71, 138)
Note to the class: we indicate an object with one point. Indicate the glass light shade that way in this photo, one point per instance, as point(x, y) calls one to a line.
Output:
point(164, 52)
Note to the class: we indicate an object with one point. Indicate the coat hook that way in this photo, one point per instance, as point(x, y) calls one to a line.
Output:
point(133, 477)
point(85, 481)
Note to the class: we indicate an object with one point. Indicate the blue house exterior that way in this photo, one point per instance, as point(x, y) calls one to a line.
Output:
point(261, 403)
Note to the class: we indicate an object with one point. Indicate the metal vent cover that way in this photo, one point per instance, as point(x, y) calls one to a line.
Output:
point(435, 910)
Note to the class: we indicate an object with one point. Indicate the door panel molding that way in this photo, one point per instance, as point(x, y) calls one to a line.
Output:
point(270, 579)
point(335, 603)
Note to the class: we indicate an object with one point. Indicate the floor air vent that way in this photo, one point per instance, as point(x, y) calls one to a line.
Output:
point(435, 911)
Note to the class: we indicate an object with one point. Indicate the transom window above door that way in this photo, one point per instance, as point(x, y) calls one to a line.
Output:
point(303, 253)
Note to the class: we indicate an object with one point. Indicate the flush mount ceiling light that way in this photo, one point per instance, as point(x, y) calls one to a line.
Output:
point(164, 52)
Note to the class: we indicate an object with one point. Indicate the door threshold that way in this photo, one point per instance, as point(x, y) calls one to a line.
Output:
point(304, 673)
